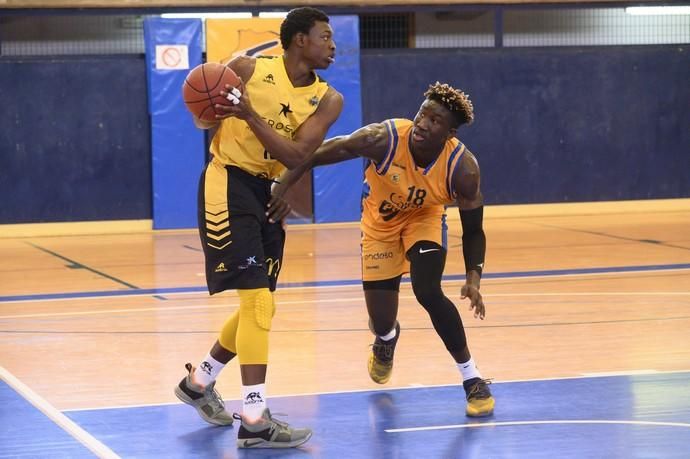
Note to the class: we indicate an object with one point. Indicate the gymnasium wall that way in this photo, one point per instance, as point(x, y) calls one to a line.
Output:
point(74, 142)
point(555, 124)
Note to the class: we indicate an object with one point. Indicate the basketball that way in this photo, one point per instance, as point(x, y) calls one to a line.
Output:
point(201, 89)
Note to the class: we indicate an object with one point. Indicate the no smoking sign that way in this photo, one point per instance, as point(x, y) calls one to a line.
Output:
point(172, 57)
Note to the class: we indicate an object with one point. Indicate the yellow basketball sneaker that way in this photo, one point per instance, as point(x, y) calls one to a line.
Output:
point(479, 400)
point(380, 362)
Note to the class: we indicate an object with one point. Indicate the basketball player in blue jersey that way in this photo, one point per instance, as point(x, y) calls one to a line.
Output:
point(280, 116)
point(416, 168)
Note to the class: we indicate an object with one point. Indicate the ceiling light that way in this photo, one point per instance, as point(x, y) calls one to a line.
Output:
point(656, 10)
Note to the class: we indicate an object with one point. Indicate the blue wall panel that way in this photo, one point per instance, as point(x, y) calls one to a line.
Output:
point(74, 143)
point(556, 124)
point(177, 146)
point(553, 125)
point(338, 187)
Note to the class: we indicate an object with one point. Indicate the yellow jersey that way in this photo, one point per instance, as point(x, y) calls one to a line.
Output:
point(283, 106)
point(396, 190)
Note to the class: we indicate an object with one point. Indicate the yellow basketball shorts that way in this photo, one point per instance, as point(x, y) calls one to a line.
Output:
point(384, 246)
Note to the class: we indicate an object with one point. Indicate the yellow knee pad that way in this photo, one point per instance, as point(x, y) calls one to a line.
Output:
point(259, 304)
point(255, 317)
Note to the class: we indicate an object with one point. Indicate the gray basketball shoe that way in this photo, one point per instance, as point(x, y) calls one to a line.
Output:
point(206, 400)
point(269, 432)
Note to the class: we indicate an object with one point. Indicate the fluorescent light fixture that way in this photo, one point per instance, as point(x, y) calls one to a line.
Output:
point(206, 15)
point(656, 10)
point(273, 14)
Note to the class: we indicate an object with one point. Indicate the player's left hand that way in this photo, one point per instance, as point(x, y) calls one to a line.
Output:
point(476, 301)
point(278, 208)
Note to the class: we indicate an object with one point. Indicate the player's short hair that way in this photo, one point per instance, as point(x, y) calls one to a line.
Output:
point(299, 20)
point(454, 100)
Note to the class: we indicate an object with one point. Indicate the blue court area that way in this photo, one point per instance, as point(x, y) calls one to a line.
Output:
point(27, 432)
point(643, 416)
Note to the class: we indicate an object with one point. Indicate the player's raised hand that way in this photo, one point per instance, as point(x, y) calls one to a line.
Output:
point(476, 301)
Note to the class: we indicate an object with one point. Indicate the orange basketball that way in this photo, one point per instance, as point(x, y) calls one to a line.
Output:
point(201, 89)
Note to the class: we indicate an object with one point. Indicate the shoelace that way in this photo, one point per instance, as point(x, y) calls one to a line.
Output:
point(215, 399)
point(274, 423)
point(282, 424)
point(382, 351)
point(480, 389)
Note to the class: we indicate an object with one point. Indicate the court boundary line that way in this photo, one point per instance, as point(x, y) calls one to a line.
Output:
point(522, 423)
point(57, 417)
point(617, 270)
point(622, 374)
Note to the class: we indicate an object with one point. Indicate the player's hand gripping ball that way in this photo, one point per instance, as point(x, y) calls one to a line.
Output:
point(202, 87)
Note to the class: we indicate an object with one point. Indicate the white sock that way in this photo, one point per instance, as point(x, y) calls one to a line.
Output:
point(207, 371)
point(468, 370)
point(253, 401)
point(391, 334)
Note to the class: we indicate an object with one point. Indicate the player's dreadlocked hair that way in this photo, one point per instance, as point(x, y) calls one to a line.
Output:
point(454, 100)
point(299, 20)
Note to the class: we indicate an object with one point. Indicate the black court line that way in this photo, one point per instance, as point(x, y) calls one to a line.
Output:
point(338, 330)
point(76, 265)
point(613, 236)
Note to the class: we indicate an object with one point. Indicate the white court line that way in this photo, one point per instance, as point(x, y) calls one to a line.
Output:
point(322, 300)
point(85, 438)
point(603, 374)
point(527, 423)
point(171, 308)
point(383, 389)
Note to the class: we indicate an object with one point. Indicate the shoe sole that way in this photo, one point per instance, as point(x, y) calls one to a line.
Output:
point(255, 444)
point(479, 415)
point(185, 399)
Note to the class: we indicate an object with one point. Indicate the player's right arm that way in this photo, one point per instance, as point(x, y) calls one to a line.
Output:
point(370, 141)
point(289, 151)
point(244, 67)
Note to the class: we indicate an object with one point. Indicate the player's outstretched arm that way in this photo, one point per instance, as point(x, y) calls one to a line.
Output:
point(370, 141)
point(470, 201)
point(290, 152)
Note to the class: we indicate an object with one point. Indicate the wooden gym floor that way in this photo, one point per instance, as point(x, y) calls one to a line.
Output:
point(97, 321)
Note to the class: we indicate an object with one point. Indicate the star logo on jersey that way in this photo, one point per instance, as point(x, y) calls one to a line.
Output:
point(314, 101)
point(285, 110)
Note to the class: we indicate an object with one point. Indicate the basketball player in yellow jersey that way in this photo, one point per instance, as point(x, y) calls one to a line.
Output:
point(281, 115)
point(416, 168)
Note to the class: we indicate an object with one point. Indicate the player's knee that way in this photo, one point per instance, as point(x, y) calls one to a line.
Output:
point(258, 303)
point(264, 309)
point(429, 296)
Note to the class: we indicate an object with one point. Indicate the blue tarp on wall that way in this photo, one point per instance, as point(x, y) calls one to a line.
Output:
point(338, 187)
point(568, 124)
point(74, 142)
point(177, 146)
